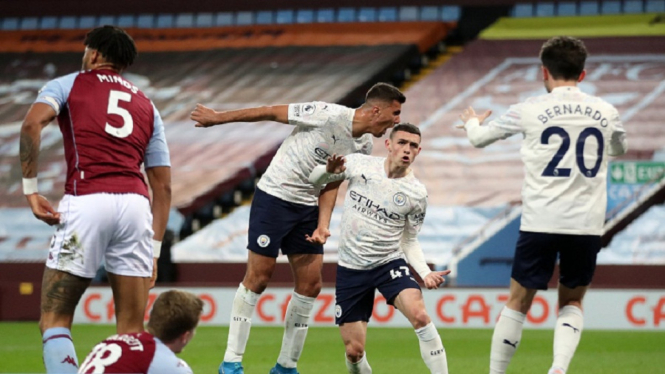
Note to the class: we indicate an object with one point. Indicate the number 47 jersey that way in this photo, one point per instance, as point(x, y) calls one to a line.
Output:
point(109, 129)
point(568, 136)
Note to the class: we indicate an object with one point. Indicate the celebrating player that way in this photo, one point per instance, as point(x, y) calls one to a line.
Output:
point(284, 209)
point(171, 327)
point(109, 129)
point(384, 210)
point(567, 138)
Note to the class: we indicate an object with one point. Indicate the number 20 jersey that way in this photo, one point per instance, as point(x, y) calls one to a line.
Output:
point(567, 136)
point(109, 129)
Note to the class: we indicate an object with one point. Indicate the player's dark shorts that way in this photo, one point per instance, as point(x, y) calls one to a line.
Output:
point(355, 289)
point(275, 223)
point(536, 254)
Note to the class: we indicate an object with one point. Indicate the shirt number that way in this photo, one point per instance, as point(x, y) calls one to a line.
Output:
point(551, 169)
point(128, 122)
point(394, 273)
point(101, 356)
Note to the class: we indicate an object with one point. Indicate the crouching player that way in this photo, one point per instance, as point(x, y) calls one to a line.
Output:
point(171, 327)
point(383, 211)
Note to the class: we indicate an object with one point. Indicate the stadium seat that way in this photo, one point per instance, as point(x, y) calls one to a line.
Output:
point(29, 23)
point(654, 6)
point(346, 15)
point(611, 7)
point(245, 18)
point(10, 23)
point(305, 16)
point(184, 20)
point(87, 22)
point(633, 6)
point(325, 15)
point(523, 10)
point(367, 15)
point(264, 17)
point(68, 22)
point(388, 14)
point(429, 13)
point(284, 16)
point(164, 21)
point(145, 21)
point(125, 20)
point(450, 13)
point(105, 20)
point(408, 13)
point(224, 19)
point(48, 22)
point(566, 9)
point(589, 8)
point(545, 10)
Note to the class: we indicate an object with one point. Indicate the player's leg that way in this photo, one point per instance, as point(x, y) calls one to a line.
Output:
point(306, 260)
point(535, 257)
point(130, 295)
point(354, 296)
point(73, 259)
point(354, 335)
point(577, 266)
point(410, 302)
point(269, 221)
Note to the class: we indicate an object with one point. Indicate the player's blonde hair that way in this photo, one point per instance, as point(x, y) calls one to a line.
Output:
point(174, 313)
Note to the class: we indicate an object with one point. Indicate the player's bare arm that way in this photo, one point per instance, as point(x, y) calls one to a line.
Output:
point(37, 118)
point(434, 279)
point(207, 117)
point(159, 179)
point(327, 200)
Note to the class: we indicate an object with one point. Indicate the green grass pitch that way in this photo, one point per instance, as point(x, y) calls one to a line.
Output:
point(389, 350)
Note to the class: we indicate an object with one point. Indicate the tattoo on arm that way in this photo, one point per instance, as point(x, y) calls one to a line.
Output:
point(29, 152)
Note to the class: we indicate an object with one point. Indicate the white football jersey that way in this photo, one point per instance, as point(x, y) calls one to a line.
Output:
point(321, 130)
point(568, 136)
point(377, 212)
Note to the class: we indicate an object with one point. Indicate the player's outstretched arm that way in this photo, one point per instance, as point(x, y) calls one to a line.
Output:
point(206, 117)
point(332, 171)
point(500, 128)
point(38, 117)
point(327, 200)
point(159, 178)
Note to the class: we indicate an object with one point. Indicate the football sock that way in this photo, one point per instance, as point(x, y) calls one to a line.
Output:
point(241, 322)
point(567, 335)
point(506, 338)
point(431, 349)
point(295, 329)
point(58, 350)
point(360, 367)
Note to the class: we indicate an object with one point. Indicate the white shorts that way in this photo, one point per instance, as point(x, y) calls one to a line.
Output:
point(114, 227)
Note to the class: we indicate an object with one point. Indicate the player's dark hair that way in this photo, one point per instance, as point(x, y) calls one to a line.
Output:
point(564, 57)
point(173, 314)
point(406, 127)
point(114, 44)
point(386, 93)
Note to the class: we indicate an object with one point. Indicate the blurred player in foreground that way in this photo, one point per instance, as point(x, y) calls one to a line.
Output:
point(109, 129)
point(567, 138)
point(284, 209)
point(172, 324)
point(384, 210)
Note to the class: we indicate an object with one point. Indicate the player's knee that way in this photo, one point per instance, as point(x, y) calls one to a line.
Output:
point(256, 282)
point(420, 318)
point(354, 351)
point(310, 288)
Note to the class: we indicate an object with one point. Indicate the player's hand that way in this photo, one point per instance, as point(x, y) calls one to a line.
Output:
point(434, 279)
point(469, 113)
point(42, 209)
point(153, 278)
point(335, 164)
point(319, 236)
point(204, 116)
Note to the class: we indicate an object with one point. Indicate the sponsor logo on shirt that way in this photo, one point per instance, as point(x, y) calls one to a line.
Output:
point(309, 109)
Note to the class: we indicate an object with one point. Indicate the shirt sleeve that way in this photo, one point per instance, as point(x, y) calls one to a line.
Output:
point(166, 362)
point(157, 153)
point(501, 128)
point(316, 114)
point(409, 244)
point(618, 142)
point(56, 92)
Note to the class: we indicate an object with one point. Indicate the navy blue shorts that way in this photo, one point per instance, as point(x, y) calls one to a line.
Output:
point(275, 223)
point(355, 289)
point(536, 254)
